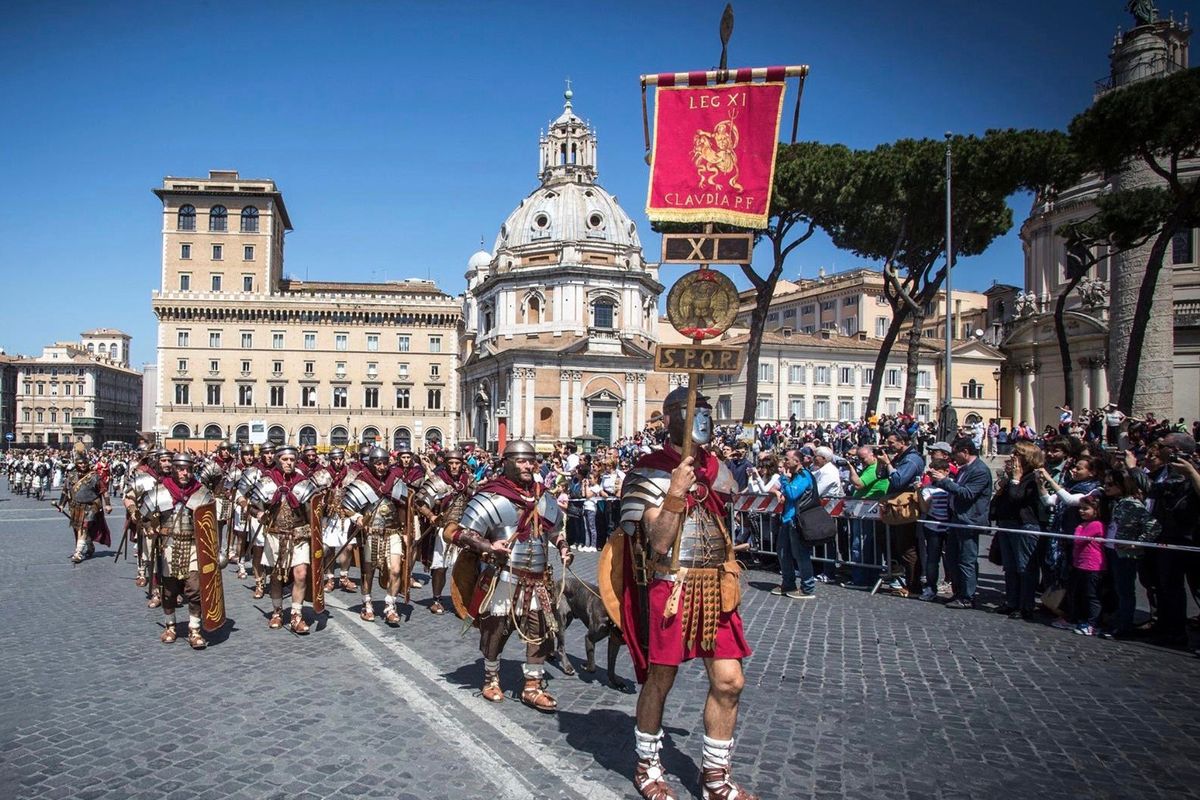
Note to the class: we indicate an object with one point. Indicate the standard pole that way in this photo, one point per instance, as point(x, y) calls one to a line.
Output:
point(947, 391)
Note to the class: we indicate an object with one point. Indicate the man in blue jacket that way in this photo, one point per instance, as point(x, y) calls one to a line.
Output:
point(970, 495)
point(903, 466)
point(799, 493)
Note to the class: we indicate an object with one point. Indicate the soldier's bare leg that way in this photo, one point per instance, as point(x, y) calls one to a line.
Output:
point(367, 613)
point(725, 683)
point(438, 579)
point(648, 776)
point(299, 578)
point(390, 615)
point(256, 557)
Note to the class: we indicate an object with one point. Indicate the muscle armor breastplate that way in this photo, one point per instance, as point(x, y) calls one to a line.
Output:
point(702, 543)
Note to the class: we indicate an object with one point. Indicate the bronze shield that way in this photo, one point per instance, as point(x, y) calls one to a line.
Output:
point(208, 546)
point(316, 555)
point(463, 579)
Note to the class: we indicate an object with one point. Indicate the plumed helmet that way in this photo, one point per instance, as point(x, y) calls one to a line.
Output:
point(519, 448)
point(377, 454)
point(183, 460)
point(286, 449)
point(677, 399)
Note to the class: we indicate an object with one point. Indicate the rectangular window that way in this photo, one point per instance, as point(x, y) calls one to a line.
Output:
point(372, 370)
point(308, 367)
point(766, 372)
point(308, 396)
point(849, 326)
point(181, 339)
point(808, 309)
point(402, 370)
point(371, 397)
point(893, 405)
point(185, 282)
point(846, 410)
point(868, 376)
point(67, 389)
point(214, 339)
point(185, 251)
point(310, 340)
point(340, 341)
point(41, 417)
point(216, 283)
point(1181, 248)
point(828, 305)
point(789, 313)
point(403, 343)
point(891, 378)
point(765, 409)
point(276, 340)
point(54, 415)
point(247, 340)
point(245, 395)
point(181, 394)
point(248, 252)
point(603, 313)
point(339, 397)
point(796, 407)
point(852, 300)
point(845, 378)
point(435, 342)
point(66, 416)
point(435, 399)
point(773, 316)
point(246, 367)
point(923, 379)
point(277, 367)
point(247, 283)
point(218, 252)
point(435, 371)
point(821, 409)
point(403, 398)
point(922, 411)
point(214, 366)
point(276, 396)
point(214, 394)
point(828, 325)
point(881, 326)
point(796, 374)
point(25, 416)
point(725, 407)
point(822, 376)
point(340, 369)
point(182, 365)
point(373, 342)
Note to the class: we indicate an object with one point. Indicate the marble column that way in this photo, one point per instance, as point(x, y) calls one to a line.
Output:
point(578, 423)
point(1026, 405)
point(627, 407)
point(564, 378)
point(641, 401)
point(530, 402)
point(1099, 369)
point(514, 404)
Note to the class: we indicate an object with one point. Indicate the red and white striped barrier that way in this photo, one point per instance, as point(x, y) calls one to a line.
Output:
point(757, 504)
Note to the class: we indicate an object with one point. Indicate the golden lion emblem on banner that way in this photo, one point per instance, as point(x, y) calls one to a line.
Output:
point(713, 153)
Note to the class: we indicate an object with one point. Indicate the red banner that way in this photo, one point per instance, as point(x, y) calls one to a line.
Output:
point(714, 153)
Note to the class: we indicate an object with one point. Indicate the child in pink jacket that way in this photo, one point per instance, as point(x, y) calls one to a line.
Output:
point(1087, 566)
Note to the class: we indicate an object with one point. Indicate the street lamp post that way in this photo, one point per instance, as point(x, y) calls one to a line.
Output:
point(996, 373)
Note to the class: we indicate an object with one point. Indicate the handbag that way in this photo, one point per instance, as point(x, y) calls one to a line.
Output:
point(815, 525)
point(901, 509)
point(993, 554)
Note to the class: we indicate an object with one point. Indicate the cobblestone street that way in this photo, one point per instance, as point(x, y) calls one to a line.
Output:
point(848, 696)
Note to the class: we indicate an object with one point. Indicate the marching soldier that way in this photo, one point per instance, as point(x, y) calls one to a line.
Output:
point(247, 535)
point(335, 525)
point(214, 477)
point(87, 504)
point(175, 545)
point(155, 465)
point(683, 601)
point(377, 502)
point(413, 473)
point(360, 464)
point(287, 520)
point(441, 501)
point(510, 524)
point(309, 463)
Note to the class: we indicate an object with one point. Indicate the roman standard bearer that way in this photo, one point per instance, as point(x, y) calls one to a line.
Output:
point(510, 524)
point(676, 580)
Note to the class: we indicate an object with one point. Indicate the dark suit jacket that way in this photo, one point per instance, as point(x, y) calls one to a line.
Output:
point(970, 493)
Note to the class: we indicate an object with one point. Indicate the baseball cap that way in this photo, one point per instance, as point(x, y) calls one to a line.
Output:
point(942, 446)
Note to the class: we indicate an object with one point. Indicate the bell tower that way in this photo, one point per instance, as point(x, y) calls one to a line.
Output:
point(567, 151)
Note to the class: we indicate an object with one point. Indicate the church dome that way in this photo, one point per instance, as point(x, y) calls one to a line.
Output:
point(568, 212)
point(480, 260)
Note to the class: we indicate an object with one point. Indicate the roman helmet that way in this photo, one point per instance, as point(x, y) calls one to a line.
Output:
point(183, 460)
point(512, 451)
point(675, 409)
point(337, 452)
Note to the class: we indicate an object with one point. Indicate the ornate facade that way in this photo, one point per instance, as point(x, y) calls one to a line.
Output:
point(1099, 311)
point(561, 318)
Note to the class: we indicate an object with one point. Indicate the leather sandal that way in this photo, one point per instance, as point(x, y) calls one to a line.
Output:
point(716, 784)
point(155, 601)
point(276, 621)
point(491, 687)
point(259, 591)
point(76, 558)
point(347, 584)
point(649, 781)
point(140, 581)
point(536, 697)
point(241, 573)
point(168, 635)
point(390, 616)
point(437, 607)
point(298, 625)
point(329, 584)
point(367, 614)
point(195, 639)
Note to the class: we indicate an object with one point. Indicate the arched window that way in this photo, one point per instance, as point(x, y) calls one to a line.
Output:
point(181, 431)
point(103, 349)
point(338, 437)
point(308, 435)
point(370, 435)
point(218, 219)
point(212, 431)
point(276, 435)
point(91, 347)
point(602, 313)
point(533, 310)
point(242, 434)
point(401, 436)
point(186, 220)
point(433, 436)
point(249, 219)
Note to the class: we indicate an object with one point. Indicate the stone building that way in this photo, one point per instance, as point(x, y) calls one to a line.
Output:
point(246, 353)
point(78, 392)
point(561, 318)
point(8, 398)
point(1099, 314)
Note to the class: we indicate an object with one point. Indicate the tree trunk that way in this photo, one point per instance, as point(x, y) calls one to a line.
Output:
point(1064, 344)
point(913, 361)
point(1141, 317)
point(758, 320)
point(885, 349)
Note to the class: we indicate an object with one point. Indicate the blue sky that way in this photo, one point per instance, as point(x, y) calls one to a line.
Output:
point(402, 132)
